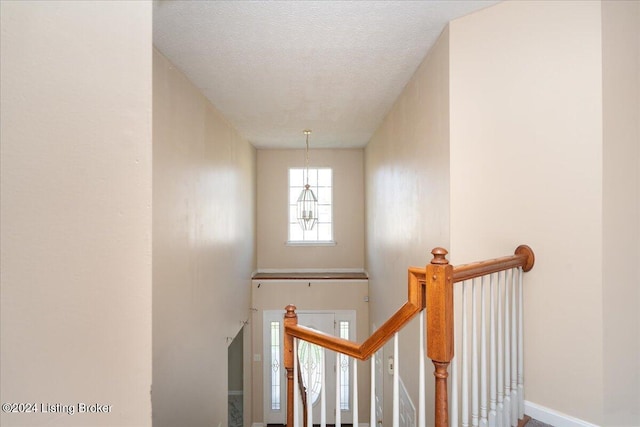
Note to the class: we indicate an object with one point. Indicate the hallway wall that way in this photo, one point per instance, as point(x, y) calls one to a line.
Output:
point(203, 249)
point(407, 200)
point(621, 211)
point(527, 167)
point(76, 211)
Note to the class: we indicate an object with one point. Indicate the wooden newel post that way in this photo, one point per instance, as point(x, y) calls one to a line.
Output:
point(439, 283)
point(290, 318)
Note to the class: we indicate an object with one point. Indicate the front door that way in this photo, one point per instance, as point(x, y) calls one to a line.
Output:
point(313, 360)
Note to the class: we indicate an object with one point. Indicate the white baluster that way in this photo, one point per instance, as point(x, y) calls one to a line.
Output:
point(483, 356)
point(396, 384)
point(500, 355)
point(520, 347)
point(323, 393)
point(492, 344)
point(338, 410)
point(453, 410)
point(372, 409)
point(514, 353)
point(296, 390)
point(355, 393)
point(507, 355)
point(465, 362)
point(309, 406)
point(474, 355)
point(454, 396)
point(422, 422)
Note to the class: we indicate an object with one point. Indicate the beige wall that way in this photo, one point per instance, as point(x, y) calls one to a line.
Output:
point(526, 167)
point(407, 198)
point(313, 295)
point(76, 210)
point(203, 249)
point(348, 210)
point(621, 212)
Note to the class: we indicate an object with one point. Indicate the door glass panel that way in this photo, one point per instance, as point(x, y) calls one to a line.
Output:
point(311, 365)
point(344, 369)
point(275, 366)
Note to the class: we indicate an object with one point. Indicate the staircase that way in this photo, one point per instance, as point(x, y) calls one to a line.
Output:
point(484, 351)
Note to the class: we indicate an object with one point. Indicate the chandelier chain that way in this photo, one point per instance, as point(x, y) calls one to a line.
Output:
point(306, 159)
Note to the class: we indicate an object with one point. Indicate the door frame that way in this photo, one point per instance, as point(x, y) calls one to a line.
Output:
point(271, 416)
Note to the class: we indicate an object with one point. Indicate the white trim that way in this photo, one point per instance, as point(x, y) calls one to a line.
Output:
point(247, 378)
point(275, 416)
point(257, 425)
point(235, 393)
point(553, 417)
point(310, 243)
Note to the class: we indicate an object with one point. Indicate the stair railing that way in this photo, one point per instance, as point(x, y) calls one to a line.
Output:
point(429, 288)
point(303, 394)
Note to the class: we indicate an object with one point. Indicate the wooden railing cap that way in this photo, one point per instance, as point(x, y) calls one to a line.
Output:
point(291, 311)
point(439, 256)
point(531, 258)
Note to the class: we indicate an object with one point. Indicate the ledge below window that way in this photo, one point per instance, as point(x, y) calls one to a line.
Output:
point(328, 275)
point(301, 243)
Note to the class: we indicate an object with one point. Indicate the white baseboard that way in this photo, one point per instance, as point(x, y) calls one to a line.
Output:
point(553, 417)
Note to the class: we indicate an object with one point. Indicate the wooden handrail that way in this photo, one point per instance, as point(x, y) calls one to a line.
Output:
point(415, 303)
point(429, 288)
point(523, 257)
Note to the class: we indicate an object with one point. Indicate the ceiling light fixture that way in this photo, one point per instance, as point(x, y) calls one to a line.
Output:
point(307, 201)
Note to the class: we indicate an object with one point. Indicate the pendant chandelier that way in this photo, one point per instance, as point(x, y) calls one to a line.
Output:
point(307, 202)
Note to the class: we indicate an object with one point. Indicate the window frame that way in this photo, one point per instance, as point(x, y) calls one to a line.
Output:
point(292, 205)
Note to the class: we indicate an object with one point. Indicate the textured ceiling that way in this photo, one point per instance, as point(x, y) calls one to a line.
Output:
point(274, 68)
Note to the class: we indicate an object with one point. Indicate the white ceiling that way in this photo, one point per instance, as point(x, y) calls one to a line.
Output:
point(274, 68)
